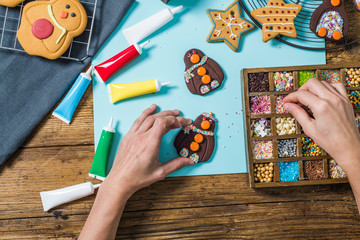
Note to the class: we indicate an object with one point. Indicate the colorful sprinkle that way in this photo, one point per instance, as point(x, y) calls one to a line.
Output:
point(331, 21)
point(289, 171)
point(263, 149)
point(286, 148)
point(330, 76)
point(194, 157)
point(283, 81)
point(184, 152)
point(352, 77)
point(204, 89)
point(260, 105)
point(354, 97)
point(279, 104)
point(188, 73)
point(261, 127)
point(197, 130)
point(309, 147)
point(304, 76)
point(215, 84)
point(335, 170)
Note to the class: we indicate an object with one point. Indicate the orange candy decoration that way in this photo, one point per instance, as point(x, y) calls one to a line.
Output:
point(194, 58)
point(337, 35)
point(335, 3)
point(201, 71)
point(322, 32)
point(194, 146)
point(206, 79)
point(199, 138)
point(205, 125)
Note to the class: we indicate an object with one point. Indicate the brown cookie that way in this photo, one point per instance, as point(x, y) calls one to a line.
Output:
point(48, 27)
point(10, 3)
point(197, 141)
point(202, 74)
point(330, 20)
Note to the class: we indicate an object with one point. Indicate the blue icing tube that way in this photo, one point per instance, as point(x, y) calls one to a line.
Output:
point(67, 107)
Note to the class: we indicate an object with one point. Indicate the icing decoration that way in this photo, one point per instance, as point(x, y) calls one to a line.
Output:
point(42, 28)
point(184, 152)
point(57, 24)
point(194, 157)
point(205, 125)
point(277, 18)
point(188, 73)
point(333, 23)
point(209, 115)
point(201, 71)
point(228, 26)
point(195, 129)
point(64, 14)
point(206, 79)
point(215, 84)
point(204, 89)
point(198, 138)
point(194, 58)
point(194, 146)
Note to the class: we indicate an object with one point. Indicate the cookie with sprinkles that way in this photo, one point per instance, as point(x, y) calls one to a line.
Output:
point(202, 74)
point(197, 140)
point(228, 26)
point(330, 20)
point(277, 18)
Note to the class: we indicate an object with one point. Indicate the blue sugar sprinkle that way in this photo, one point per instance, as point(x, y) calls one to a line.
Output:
point(289, 171)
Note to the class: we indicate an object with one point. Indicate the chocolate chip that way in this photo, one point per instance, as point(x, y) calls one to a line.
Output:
point(258, 82)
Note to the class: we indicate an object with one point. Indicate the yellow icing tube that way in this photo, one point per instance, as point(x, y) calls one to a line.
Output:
point(123, 91)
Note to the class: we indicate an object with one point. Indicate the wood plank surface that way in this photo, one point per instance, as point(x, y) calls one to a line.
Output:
point(204, 207)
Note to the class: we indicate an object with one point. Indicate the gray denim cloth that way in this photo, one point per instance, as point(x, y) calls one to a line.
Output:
point(30, 86)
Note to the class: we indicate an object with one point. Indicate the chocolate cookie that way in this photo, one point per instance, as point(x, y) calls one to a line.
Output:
point(330, 20)
point(202, 74)
point(197, 141)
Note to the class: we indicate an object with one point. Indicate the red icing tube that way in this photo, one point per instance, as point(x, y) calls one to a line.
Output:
point(106, 69)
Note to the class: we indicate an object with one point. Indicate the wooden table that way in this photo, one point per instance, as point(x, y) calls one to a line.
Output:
point(204, 207)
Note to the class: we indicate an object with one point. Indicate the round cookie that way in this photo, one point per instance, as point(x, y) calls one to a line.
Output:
point(197, 141)
point(202, 74)
point(48, 27)
point(330, 20)
point(10, 3)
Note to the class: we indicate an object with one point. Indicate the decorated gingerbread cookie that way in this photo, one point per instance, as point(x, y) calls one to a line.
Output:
point(197, 141)
point(10, 3)
point(48, 27)
point(330, 20)
point(202, 74)
point(277, 18)
point(228, 26)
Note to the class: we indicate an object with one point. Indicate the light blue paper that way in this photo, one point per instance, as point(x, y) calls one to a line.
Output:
point(162, 59)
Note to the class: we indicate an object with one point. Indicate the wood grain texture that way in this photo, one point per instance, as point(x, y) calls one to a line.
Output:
point(205, 207)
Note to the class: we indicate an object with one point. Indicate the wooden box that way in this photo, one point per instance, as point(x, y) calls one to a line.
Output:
point(274, 137)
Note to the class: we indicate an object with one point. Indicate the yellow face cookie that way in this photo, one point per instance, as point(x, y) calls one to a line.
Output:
point(48, 27)
point(10, 3)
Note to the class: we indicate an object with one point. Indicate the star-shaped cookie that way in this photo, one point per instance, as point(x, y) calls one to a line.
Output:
point(228, 26)
point(277, 17)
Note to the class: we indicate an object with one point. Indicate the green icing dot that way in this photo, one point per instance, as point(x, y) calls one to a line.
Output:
point(303, 76)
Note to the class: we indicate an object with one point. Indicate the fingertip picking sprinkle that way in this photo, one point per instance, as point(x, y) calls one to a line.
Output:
point(330, 76)
point(335, 171)
point(289, 171)
point(279, 104)
point(263, 149)
point(283, 81)
point(260, 105)
point(309, 147)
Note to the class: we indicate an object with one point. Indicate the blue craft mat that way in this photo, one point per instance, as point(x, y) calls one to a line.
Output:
point(162, 59)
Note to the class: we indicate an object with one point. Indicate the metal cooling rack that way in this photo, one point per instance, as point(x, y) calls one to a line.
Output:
point(305, 36)
point(10, 22)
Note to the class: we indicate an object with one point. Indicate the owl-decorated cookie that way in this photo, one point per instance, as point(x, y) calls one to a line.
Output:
point(197, 141)
point(330, 20)
point(202, 74)
point(48, 27)
point(10, 3)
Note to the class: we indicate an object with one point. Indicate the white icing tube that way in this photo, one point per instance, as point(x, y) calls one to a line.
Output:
point(60, 196)
point(141, 30)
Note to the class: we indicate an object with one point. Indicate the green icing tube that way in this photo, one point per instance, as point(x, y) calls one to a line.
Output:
point(99, 165)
